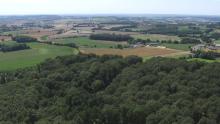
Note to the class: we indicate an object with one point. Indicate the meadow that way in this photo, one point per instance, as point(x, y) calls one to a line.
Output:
point(38, 53)
point(184, 47)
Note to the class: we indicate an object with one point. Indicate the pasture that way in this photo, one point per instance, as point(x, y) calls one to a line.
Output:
point(86, 42)
point(26, 58)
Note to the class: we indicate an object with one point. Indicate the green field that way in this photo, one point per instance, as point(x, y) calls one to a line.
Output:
point(44, 37)
point(204, 60)
point(217, 41)
point(86, 42)
point(26, 58)
point(184, 47)
point(9, 43)
point(155, 37)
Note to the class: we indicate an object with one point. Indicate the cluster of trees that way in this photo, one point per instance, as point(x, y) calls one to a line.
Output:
point(215, 36)
point(190, 40)
point(182, 41)
point(173, 30)
point(73, 45)
point(121, 28)
point(111, 37)
point(205, 55)
point(24, 39)
point(13, 47)
point(87, 89)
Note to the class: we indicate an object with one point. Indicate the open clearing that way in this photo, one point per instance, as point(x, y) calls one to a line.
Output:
point(26, 58)
point(86, 42)
point(142, 52)
point(155, 37)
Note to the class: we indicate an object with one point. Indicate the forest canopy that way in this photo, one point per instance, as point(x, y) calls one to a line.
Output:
point(88, 89)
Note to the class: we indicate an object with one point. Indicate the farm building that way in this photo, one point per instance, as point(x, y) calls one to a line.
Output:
point(203, 46)
point(199, 47)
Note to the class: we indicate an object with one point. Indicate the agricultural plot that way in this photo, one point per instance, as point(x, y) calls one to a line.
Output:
point(155, 37)
point(115, 32)
point(184, 47)
point(86, 42)
point(26, 58)
point(142, 52)
point(217, 41)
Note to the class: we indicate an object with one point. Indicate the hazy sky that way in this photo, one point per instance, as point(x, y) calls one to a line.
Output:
point(198, 7)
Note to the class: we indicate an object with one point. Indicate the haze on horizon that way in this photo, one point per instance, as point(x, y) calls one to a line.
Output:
point(186, 7)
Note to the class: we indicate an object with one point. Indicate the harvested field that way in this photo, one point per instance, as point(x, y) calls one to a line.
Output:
point(5, 38)
point(142, 52)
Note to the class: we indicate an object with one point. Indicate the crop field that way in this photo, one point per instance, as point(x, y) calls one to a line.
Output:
point(155, 37)
point(26, 58)
point(86, 42)
point(142, 52)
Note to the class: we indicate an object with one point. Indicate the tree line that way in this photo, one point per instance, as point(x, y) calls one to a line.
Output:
point(13, 47)
point(90, 89)
point(111, 37)
point(24, 39)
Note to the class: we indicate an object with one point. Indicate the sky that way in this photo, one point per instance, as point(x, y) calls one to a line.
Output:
point(36, 7)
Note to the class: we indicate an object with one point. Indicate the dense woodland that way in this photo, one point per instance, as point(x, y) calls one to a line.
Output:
point(24, 39)
point(111, 37)
point(87, 89)
point(13, 47)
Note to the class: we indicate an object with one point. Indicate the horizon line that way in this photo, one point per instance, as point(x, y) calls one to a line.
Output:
point(110, 14)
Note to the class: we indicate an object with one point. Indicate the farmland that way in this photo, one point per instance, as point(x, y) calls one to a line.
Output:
point(86, 42)
point(78, 30)
point(185, 47)
point(142, 52)
point(26, 58)
point(156, 37)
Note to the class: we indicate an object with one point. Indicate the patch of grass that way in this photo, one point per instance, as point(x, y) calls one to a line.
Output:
point(86, 42)
point(44, 37)
point(217, 41)
point(155, 37)
point(26, 58)
point(184, 47)
point(9, 42)
point(183, 28)
point(204, 60)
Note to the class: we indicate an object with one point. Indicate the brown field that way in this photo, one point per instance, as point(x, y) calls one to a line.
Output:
point(38, 33)
point(142, 52)
point(5, 38)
